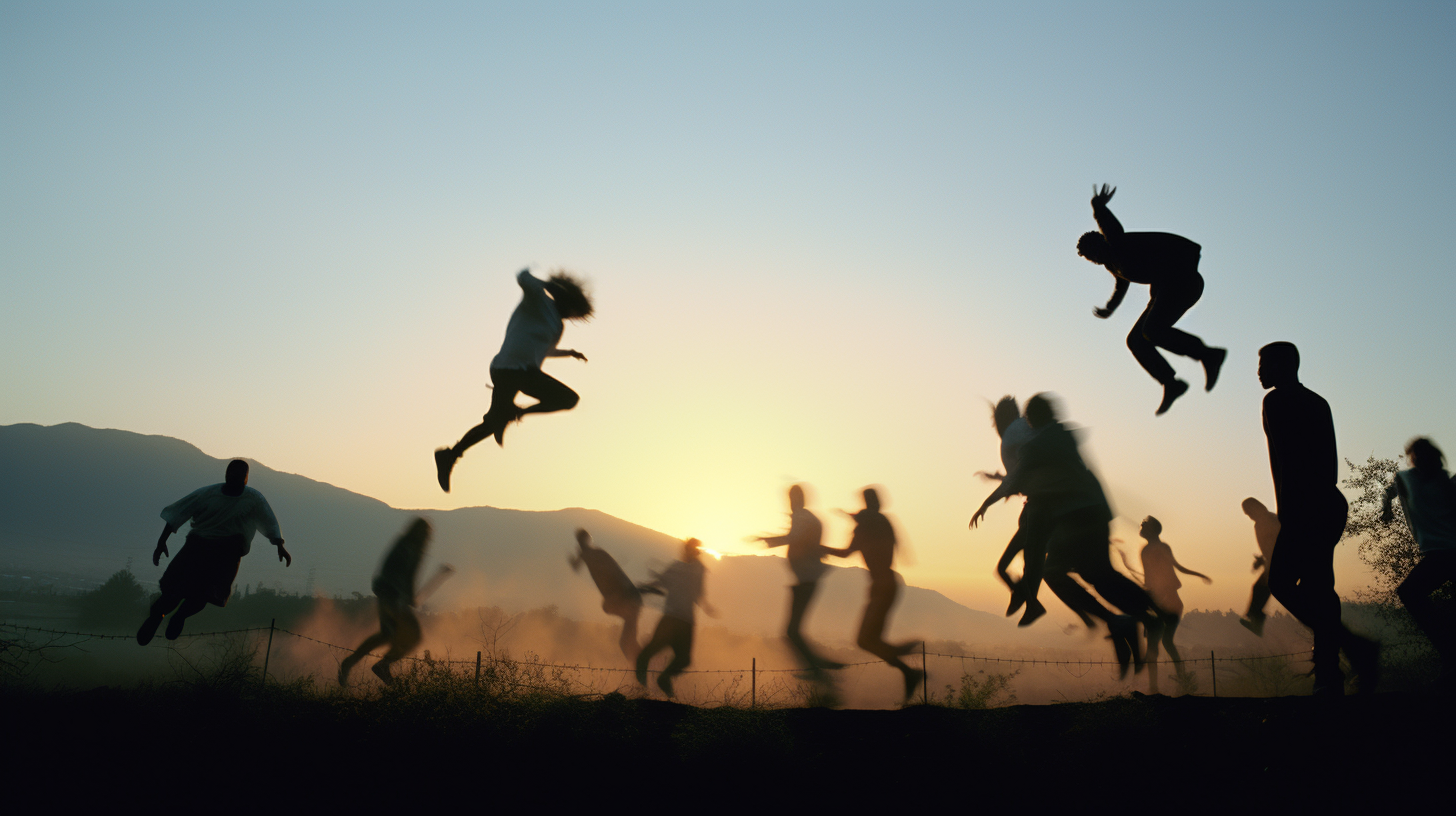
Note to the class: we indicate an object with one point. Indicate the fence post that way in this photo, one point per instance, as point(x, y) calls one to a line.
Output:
point(267, 653)
point(477, 667)
point(1213, 670)
point(925, 670)
point(753, 684)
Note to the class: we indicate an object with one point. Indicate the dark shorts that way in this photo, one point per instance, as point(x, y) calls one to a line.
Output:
point(204, 569)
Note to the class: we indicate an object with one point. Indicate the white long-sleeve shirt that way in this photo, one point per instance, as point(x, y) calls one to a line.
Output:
point(215, 514)
point(534, 329)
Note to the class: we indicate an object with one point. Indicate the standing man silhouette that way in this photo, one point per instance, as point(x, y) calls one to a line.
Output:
point(531, 336)
point(1312, 512)
point(1169, 265)
point(224, 519)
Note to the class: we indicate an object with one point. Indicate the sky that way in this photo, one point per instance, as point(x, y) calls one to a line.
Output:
point(821, 236)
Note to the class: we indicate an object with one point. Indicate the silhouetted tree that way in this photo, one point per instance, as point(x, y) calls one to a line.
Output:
point(118, 600)
point(1387, 547)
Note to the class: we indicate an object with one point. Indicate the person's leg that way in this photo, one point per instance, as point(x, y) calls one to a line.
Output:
point(551, 394)
point(661, 637)
point(1056, 573)
point(1169, 623)
point(681, 640)
point(1430, 574)
point(1302, 578)
point(1035, 531)
point(407, 636)
point(189, 607)
point(799, 597)
point(503, 411)
point(1168, 303)
point(160, 608)
point(1003, 570)
point(628, 642)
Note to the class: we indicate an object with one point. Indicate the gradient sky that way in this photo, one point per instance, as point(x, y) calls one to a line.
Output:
point(821, 236)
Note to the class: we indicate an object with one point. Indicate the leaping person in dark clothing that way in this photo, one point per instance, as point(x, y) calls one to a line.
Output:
point(531, 336)
point(1169, 265)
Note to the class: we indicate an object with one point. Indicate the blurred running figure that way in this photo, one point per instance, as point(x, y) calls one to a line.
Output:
point(620, 597)
point(1266, 530)
point(682, 583)
point(1030, 537)
point(804, 541)
point(874, 538)
point(1169, 265)
point(224, 519)
point(1160, 579)
point(1312, 513)
point(1428, 497)
point(394, 591)
point(531, 336)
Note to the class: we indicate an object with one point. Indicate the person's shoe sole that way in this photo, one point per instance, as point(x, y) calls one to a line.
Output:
point(148, 629)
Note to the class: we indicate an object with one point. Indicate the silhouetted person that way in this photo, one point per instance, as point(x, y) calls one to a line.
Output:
point(1266, 530)
point(682, 583)
point(224, 519)
point(1030, 537)
point(1428, 497)
point(620, 597)
point(1169, 265)
point(1312, 513)
point(396, 598)
point(874, 538)
point(805, 542)
point(1160, 579)
point(1051, 471)
point(531, 336)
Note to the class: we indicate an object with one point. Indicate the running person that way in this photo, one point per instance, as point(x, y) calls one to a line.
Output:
point(682, 583)
point(531, 336)
point(1160, 579)
point(1029, 539)
point(224, 519)
point(394, 589)
point(1428, 497)
point(1266, 531)
point(1169, 265)
point(620, 597)
point(806, 552)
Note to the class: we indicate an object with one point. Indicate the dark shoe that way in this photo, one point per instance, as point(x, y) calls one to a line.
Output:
point(500, 434)
point(381, 670)
point(1171, 392)
point(913, 679)
point(641, 675)
point(1212, 362)
point(149, 629)
point(174, 626)
point(664, 682)
point(1017, 601)
point(1034, 610)
point(1255, 625)
point(444, 463)
point(1121, 649)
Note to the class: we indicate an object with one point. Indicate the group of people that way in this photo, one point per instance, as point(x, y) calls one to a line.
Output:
point(1063, 530)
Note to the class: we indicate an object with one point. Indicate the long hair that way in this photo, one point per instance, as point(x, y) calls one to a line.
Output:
point(572, 297)
point(1425, 455)
point(1004, 412)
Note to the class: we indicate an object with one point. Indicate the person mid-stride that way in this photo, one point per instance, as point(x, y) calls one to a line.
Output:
point(1169, 265)
point(531, 336)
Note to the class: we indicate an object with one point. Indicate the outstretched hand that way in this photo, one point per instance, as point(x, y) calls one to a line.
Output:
point(976, 519)
point(1101, 197)
point(157, 554)
point(578, 355)
point(995, 477)
point(282, 553)
point(1102, 312)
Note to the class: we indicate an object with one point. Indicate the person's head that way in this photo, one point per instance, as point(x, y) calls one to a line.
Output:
point(692, 550)
point(237, 473)
point(796, 497)
point(1003, 413)
point(417, 534)
point(1255, 509)
point(1041, 411)
point(1094, 247)
point(1278, 364)
point(583, 539)
point(573, 301)
point(1424, 455)
point(1151, 529)
point(872, 499)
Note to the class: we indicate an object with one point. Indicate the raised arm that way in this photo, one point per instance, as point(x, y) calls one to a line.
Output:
point(1387, 509)
point(1106, 221)
point(1186, 571)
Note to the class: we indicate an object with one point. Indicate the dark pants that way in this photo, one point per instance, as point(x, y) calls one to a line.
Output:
point(1169, 300)
point(551, 394)
point(673, 633)
point(1030, 540)
point(799, 597)
point(1431, 573)
point(1259, 596)
point(1302, 577)
point(1079, 545)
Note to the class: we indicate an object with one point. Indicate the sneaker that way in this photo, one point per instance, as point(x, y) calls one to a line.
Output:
point(381, 670)
point(913, 679)
point(1212, 362)
point(1171, 392)
point(344, 669)
point(500, 434)
point(1255, 625)
point(174, 627)
point(149, 629)
point(664, 682)
point(1124, 636)
point(641, 675)
point(444, 463)
point(1016, 602)
point(1034, 610)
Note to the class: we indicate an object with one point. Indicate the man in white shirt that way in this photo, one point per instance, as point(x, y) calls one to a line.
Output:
point(224, 519)
point(531, 336)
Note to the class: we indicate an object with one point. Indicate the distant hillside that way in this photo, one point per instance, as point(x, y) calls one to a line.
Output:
point(79, 502)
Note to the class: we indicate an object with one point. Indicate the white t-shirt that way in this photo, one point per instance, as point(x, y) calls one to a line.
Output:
point(1429, 500)
point(215, 514)
point(534, 329)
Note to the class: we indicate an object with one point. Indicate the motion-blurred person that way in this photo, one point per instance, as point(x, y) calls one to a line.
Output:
point(1160, 579)
point(1428, 497)
point(224, 519)
point(806, 552)
point(531, 336)
point(1169, 265)
point(1030, 537)
point(1312, 512)
point(1266, 530)
point(396, 597)
point(682, 583)
point(874, 539)
point(1052, 472)
point(620, 597)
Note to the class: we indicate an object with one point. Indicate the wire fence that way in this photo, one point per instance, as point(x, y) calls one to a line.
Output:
point(1272, 674)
